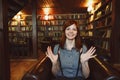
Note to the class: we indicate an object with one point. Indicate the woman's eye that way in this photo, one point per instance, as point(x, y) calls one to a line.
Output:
point(67, 28)
point(75, 29)
point(71, 29)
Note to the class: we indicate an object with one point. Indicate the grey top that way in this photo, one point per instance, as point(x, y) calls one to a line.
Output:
point(69, 61)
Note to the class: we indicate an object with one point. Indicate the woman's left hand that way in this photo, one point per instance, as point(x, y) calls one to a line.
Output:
point(88, 55)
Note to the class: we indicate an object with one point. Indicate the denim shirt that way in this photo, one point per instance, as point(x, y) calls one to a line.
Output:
point(69, 61)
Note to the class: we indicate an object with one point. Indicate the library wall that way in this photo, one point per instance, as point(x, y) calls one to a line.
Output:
point(99, 27)
point(4, 55)
point(20, 37)
point(50, 31)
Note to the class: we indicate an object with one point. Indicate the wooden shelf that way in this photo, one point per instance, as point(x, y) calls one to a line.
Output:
point(100, 27)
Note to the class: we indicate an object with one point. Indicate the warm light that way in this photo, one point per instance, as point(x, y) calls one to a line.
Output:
point(90, 2)
point(46, 17)
point(90, 6)
point(18, 16)
point(51, 17)
point(46, 11)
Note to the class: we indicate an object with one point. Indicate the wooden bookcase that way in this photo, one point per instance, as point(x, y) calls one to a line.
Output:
point(20, 37)
point(99, 27)
point(48, 32)
point(52, 28)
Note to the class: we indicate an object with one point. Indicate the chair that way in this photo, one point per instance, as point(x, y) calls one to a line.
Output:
point(100, 70)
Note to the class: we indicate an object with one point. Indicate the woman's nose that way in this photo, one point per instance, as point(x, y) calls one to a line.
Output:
point(71, 30)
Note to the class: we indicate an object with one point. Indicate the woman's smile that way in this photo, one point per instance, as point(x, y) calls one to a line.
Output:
point(71, 32)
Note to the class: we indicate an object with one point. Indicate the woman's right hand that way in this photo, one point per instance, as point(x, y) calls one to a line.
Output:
point(88, 55)
point(52, 56)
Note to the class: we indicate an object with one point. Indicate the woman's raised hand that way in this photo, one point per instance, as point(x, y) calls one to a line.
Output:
point(50, 54)
point(89, 54)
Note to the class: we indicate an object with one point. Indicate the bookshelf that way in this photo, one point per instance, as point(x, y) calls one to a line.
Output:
point(99, 27)
point(20, 37)
point(52, 27)
point(49, 32)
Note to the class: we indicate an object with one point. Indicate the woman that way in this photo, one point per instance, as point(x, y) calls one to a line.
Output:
point(70, 57)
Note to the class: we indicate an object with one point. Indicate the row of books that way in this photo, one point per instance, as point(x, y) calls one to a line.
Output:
point(104, 22)
point(108, 7)
point(87, 34)
point(90, 19)
point(18, 28)
point(103, 33)
point(53, 38)
point(57, 22)
point(56, 38)
point(15, 39)
point(41, 22)
point(101, 23)
point(104, 11)
point(104, 45)
point(107, 33)
point(40, 34)
point(64, 16)
point(99, 11)
point(89, 26)
point(99, 34)
point(50, 28)
point(52, 34)
point(27, 34)
point(50, 22)
point(58, 16)
point(20, 23)
point(104, 4)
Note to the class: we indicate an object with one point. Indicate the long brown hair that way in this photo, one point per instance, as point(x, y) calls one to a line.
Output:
point(78, 40)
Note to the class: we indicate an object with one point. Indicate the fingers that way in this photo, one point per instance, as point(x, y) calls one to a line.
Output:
point(92, 51)
point(94, 56)
point(49, 52)
point(49, 49)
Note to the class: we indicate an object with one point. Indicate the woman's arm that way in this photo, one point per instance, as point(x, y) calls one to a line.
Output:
point(54, 60)
point(85, 69)
point(55, 68)
point(84, 61)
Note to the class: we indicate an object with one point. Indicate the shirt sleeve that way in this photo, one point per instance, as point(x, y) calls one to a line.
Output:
point(55, 50)
point(84, 48)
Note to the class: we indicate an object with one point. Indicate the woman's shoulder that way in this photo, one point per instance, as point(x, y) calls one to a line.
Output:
point(56, 45)
point(56, 48)
point(84, 48)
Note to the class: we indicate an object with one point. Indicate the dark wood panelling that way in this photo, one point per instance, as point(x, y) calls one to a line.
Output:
point(34, 31)
point(60, 6)
point(4, 56)
point(14, 6)
point(115, 37)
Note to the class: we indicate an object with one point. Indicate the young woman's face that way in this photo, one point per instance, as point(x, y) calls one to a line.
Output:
point(71, 32)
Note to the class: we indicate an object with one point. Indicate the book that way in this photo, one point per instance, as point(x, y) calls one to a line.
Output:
point(108, 33)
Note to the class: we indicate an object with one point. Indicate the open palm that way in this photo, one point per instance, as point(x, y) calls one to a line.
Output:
point(50, 54)
point(89, 54)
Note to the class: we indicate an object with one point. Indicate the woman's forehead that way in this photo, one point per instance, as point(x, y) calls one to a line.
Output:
point(72, 26)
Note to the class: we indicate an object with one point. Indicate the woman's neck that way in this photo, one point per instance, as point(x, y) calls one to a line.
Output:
point(69, 44)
